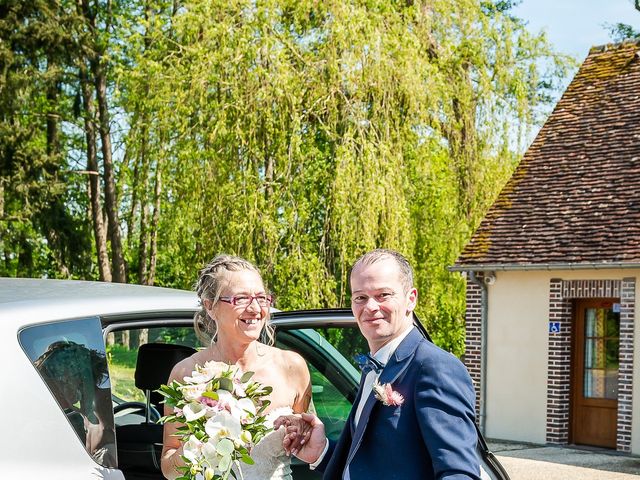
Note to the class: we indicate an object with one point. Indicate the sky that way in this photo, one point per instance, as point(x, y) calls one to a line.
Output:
point(574, 26)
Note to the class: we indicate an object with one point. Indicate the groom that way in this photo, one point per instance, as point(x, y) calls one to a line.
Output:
point(420, 425)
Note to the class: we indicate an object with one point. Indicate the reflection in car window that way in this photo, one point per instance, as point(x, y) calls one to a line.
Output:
point(71, 359)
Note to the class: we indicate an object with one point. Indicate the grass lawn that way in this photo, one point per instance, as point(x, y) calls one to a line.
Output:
point(122, 366)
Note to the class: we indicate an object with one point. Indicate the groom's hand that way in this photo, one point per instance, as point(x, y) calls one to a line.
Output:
point(309, 447)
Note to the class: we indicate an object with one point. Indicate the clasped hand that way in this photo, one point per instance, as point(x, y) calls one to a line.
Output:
point(304, 436)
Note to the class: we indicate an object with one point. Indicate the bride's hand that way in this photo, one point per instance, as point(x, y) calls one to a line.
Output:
point(297, 432)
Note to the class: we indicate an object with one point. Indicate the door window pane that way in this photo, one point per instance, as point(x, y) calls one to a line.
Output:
point(70, 357)
point(595, 321)
point(611, 384)
point(612, 354)
point(601, 353)
point(594, 353)
point(590, 322)
point(331, 405)
point(594, 383)
point(612, 324)
point(329, 354)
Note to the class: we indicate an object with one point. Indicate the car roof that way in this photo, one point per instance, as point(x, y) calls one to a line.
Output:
point(41, 300)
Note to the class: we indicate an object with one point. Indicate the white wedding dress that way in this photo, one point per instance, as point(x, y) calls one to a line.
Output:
point(271, 461)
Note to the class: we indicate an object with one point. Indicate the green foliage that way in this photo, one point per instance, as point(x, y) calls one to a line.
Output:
point(298, 134)
point(620, 32)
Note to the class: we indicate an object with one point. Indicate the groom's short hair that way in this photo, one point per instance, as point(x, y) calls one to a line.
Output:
point(369, 258)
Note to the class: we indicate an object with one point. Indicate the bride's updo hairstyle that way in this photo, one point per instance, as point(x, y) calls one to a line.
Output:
point(211, 280)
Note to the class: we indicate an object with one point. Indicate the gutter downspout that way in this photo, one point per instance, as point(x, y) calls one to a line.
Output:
point(483, 348)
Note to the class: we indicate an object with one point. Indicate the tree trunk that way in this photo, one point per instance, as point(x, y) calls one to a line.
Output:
point(144, 336)
point(154, 225)
point(95, 53)
point(94, 178)
point(1, 198)
point(143, 246)
point(126, 338)
point(111, 202)
point(134, 338)
point(25, 257)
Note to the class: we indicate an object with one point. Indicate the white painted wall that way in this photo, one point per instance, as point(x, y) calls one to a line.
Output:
point(517, 339)
point(517, 356)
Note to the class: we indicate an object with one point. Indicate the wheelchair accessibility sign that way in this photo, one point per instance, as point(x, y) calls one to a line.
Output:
point(554, 327)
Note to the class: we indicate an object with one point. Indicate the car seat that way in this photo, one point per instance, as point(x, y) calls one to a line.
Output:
point(140, 444)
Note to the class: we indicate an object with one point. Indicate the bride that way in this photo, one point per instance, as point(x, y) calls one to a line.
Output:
point(235, 310)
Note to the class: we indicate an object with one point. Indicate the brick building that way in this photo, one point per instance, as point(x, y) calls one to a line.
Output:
point(552, 272)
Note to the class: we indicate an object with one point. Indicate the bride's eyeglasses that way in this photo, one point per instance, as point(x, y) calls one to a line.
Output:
point(245, 300)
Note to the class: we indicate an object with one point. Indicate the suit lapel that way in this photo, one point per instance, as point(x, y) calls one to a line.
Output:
point(398, 362)
point(401, 357)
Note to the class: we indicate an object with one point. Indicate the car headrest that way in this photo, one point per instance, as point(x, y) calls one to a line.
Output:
point(155, 362)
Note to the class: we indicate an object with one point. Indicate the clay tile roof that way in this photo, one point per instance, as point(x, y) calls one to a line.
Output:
point(575, 197)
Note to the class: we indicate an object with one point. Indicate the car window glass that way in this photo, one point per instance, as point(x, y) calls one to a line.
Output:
point(70, 357)
point(122, 354)
point(329, 403)
point(346, 340)
point(334, 378)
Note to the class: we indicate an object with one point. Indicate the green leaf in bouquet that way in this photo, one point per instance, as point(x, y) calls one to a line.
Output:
point(226, 384)
point(265, 404)
point(246, 377)
point(212, 395)
point(184, 469)
point(247, 459)
point(168, 419)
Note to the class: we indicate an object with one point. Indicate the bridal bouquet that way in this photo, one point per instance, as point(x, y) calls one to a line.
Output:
point(221, 412)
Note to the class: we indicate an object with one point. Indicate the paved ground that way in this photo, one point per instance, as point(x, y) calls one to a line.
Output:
point(541, 462)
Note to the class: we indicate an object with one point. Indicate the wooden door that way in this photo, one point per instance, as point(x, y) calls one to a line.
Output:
point(595, 373)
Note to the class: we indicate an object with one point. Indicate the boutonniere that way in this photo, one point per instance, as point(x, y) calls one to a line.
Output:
point(387, 395)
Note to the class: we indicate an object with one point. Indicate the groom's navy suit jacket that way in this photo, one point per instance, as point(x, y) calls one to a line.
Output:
point(430, 436)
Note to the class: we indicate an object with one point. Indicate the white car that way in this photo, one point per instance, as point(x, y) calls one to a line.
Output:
point(79, 405)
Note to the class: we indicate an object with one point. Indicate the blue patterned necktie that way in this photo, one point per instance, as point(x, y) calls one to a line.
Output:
point(367, 363)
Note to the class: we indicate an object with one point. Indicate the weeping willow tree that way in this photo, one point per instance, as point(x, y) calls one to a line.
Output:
point(300, 134)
